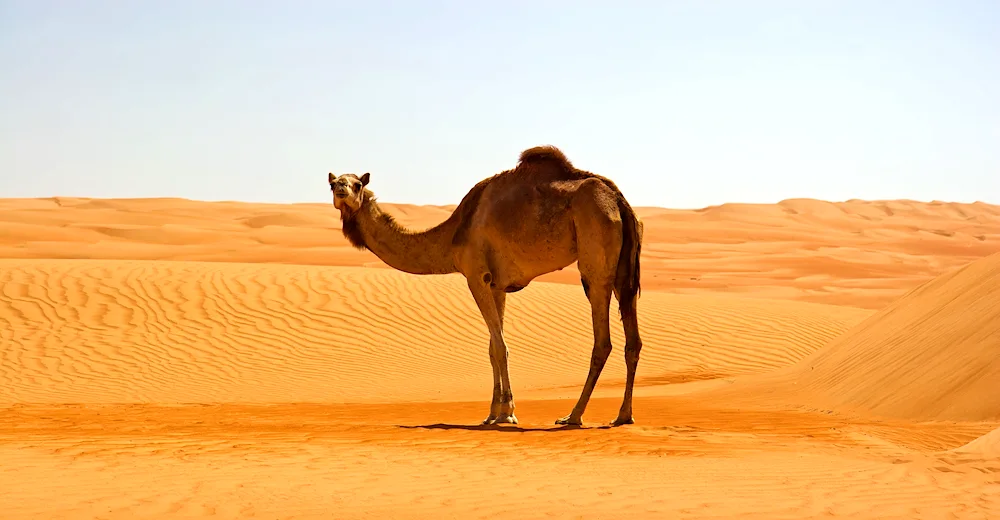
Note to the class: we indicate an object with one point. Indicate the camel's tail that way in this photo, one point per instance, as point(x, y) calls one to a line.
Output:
point(627, 278)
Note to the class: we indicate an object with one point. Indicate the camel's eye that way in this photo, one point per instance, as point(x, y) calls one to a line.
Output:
point(333, 186)
point(357, 186)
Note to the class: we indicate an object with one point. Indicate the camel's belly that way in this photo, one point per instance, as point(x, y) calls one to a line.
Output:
point(518, 265)
point(528, 235)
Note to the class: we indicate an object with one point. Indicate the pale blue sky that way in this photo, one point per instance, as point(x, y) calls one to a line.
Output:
point(684, 104)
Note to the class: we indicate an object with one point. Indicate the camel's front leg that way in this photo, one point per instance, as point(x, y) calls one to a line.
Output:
point(506, 394)
point(491, 304)
point(497, 389)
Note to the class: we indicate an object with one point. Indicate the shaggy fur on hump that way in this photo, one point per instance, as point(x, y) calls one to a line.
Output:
point(547, 153)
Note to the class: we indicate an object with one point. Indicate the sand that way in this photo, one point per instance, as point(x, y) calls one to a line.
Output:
point(856, 253)
point(934, 354)
point(987, 446)
point(166, 358)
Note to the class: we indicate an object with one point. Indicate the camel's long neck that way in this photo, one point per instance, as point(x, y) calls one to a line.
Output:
point(424, 252)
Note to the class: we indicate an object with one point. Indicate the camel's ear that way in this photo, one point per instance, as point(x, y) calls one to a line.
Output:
point(332, 178)
point(365, 178)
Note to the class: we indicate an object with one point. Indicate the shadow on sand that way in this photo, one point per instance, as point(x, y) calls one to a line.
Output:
point(510, 428)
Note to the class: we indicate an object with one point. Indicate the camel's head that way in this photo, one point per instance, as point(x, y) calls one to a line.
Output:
point(348, 191)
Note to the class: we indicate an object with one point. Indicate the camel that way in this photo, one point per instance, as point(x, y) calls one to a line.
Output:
point(510, 228)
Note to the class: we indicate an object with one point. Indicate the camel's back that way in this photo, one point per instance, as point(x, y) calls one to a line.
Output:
point(538, 191)
point(548, 163)
point(526, 220)
point(532, 201)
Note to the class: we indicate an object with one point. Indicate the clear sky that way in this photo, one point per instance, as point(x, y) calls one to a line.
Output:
point(683, 104)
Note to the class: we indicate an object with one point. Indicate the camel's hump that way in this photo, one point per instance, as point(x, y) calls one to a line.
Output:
point(547, 153)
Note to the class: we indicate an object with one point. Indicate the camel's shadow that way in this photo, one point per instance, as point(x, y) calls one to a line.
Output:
point(509, 428)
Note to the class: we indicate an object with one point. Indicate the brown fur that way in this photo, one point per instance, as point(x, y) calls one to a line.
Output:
point(466, 208)
point(352, 231)
point(538, 217)
point(545, 153)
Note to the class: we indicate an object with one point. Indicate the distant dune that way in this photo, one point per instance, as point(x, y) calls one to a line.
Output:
point(166, 358)
point(857, 253)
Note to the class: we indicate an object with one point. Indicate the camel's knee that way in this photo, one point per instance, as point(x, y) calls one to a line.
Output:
point(602, 349)
point(632, 350)
point(499, 349)
point(633, 342)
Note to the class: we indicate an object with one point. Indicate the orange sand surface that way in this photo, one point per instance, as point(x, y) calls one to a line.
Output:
point(167, 358)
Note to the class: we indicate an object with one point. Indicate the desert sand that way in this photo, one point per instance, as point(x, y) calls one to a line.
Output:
point(168, 358)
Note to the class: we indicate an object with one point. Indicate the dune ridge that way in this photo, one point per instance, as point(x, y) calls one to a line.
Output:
point(858, 253)
point(934, 354)
point(986, 446)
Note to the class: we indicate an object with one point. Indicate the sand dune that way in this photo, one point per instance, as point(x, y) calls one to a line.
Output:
point(154, 332)
point(987, 446)
point(857, 253)
point(165, 358)
point(932, 355)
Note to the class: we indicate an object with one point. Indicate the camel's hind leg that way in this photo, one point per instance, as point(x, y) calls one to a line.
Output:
point(600, 301)
point(633, 345)
point(599, 243)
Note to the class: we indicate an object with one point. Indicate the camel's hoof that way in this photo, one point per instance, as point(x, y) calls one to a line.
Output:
point(569, 420)
point(621, 421)
point(489, 420)
point(506, 419)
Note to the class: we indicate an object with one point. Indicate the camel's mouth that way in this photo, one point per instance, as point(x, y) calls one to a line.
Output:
point(338, 191)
